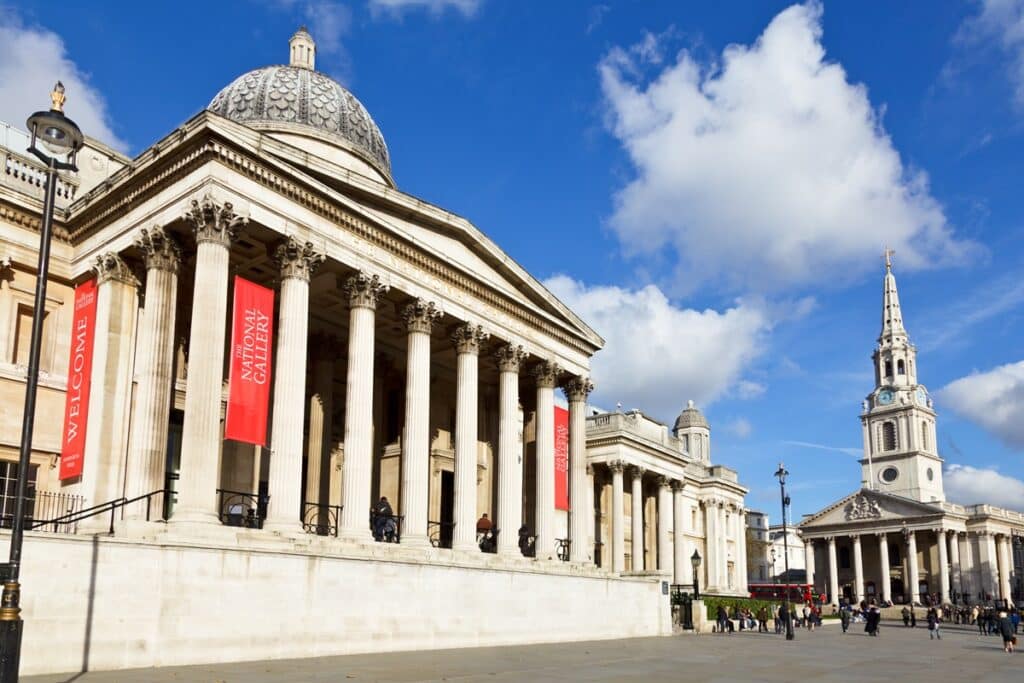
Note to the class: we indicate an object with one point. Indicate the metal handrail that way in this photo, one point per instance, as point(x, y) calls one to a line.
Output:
point(562, 546)
point(110, 506)
point(321, 519)
point(436, 531)
point(382, 534)
point(254, 515)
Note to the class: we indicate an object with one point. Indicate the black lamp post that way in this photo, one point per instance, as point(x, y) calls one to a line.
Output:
point(775, 576)
point(695, 561)
point(781, 474)
point(62, 138)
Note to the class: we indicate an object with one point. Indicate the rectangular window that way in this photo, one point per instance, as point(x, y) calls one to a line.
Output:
point(9, 488)
point(23, 338)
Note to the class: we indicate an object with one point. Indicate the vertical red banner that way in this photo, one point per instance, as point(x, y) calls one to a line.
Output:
point(249, 377)
point(76, 400)
point(561, 458)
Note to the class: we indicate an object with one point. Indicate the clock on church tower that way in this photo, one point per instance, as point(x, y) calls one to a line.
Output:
point(900, 453)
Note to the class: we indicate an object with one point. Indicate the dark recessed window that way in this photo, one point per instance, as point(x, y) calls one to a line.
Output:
point(889, 474)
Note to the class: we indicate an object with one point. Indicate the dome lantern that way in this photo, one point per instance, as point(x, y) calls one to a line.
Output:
point(303, 50)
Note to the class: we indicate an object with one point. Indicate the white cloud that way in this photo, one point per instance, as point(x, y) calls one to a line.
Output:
point(855, 452)
point(658, 355)
point(397, 7)
point(32, 59)
point(329, 22)
point(1000, 22)
point(993, 399)
point(740, 427)
point(745, 389)
point(973, 485)
point(767, 170)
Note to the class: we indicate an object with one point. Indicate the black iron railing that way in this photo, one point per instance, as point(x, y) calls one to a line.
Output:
point(386, 528)
point(43, 506)
point(562, 546)
point(321, 520)
point(71, 519)
point(239, 508)
point(487, 540)
point(598, 546)
point(440, 534)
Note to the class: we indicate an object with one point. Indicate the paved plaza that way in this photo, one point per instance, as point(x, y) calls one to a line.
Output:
point(899, 654)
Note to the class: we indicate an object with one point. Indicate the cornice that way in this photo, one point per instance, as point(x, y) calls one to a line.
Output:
point(30, 220)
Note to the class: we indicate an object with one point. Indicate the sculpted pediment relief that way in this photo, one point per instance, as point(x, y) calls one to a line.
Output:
point(868, 506)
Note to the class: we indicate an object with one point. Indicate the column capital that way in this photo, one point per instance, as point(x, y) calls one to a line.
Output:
point(616, 466)
point(297, 259)
point(214, 222)
point(547, 374)
point(468, 338)
point(678, 485)
point(365, 290)
point(663, 481)
point(881, 534)
point(854, 537)
point(638, 471)
point(577, 388)
point(509, 357)
point(830, 539)
point(420, 316)
point(111, 266)
point(160, 249)
point(590, 469)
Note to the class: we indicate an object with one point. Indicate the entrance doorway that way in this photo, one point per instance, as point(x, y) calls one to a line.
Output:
point(447, 509)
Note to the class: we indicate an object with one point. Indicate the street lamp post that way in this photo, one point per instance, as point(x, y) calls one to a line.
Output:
point(781, 475)
point(775, 575)
point(60, 136)
point(695, 562)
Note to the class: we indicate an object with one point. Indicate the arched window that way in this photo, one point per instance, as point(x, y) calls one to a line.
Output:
point(924, 436)
point(900, 367)
point(888, 436)
point(888, 368)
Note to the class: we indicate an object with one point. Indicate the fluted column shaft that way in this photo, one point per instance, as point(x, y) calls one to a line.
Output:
point(467, 340)
point(723, 548)
point(940, 538)
point(711, 532)
point(510, 452)
point(284, 512)
point(912, 568)
point(954, 560)
point(581, 486)
point(858, 570)
point(664, 525)
point(321, 410)
point(741, 540)
point(364, 292)
point(833, 572)
point(1005, 566)
point(544, 509)
point(618, 518)
point(883, 554)
point(590, 516)
point(147, 453)
point(215, 226)
point(680, 565)
point(809, 560)
point(637, 518)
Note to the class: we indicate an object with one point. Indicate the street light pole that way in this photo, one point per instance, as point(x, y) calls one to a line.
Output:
point(781, 474)
point(59, 135)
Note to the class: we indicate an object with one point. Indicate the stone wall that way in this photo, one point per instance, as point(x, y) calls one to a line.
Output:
point(110, 603)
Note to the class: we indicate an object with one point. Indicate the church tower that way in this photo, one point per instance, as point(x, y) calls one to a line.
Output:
point(900, 453)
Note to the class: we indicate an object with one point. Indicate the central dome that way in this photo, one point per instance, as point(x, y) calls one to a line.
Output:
point(296, 99)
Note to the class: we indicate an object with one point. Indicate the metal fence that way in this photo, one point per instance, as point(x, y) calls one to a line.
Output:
point(45, 505)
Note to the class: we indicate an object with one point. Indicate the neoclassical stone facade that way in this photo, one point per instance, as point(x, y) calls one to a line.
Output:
point(898, 539)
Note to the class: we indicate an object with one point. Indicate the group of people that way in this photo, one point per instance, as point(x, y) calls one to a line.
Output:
point(808, 617)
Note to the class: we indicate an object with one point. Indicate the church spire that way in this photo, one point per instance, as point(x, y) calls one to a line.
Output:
point(892, 315)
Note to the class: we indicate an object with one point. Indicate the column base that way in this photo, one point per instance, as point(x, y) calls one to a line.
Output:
point(468, 547)
point(355, 536)
point(138, 528)
point(285, 527)
point(418, 542)
point(185, 516)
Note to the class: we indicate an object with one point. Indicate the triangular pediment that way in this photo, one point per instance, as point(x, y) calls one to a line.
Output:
point(866, 506)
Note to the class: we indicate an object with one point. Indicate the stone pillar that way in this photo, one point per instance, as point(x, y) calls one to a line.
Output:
point(833, 572)
point(6, 308)
point(664, 563)
point(547, 374)
point(467, 338)
point(711, 533)
point(1005, 565)
point(590, 518)
point(883, 554)
point(681, 572)
point(940, 539)
point(858, 570)
point(912, 566)
point(618, 517)
point(296, 261)
point(989, 563)
point(318, 449)
point(954, 560)
point(637, 517)
point(215, 227)
point(419, 319)
point(110, 398)
point(741, 540)
point(809, 560)
point(723, 547)
point(147, 453)
point(510, 450)
point(581, 486)
point(364, 293)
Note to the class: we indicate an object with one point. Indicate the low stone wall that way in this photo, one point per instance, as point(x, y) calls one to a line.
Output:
point(95, 603)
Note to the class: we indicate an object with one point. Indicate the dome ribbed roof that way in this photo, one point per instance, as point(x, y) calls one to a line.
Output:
point(300, 100)
point(690, 417)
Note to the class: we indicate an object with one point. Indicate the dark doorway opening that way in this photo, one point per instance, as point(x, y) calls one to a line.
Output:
point(447, 509)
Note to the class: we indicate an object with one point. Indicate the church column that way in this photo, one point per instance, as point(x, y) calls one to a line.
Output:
point(546, 374)
point(419, 319)
point(711, 532)
point(581, 512)
point(618, 518)
point(912, 566)
point(679, 545)
point(940, 539)
point(467, 338)
point(858, 570)
point(215, 227)
point(110, 399)
point(296, 260)
point(510, 451)
point(147, 454)
point(883, 554)
point(741, 540)
point(1005, 565)
point(664, 522)
point(637, 518)
point(318, 449)
point(833, 572)
point(953, 538)
point(723, 546)
point(809, 560)
point(364, 293)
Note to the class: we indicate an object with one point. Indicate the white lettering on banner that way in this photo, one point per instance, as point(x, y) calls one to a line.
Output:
point(77, 378)
point(254, 349)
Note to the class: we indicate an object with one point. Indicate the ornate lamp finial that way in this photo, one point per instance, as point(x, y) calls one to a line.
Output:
point(57, 98)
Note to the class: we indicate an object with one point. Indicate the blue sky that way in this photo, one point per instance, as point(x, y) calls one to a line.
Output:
point(711, 185)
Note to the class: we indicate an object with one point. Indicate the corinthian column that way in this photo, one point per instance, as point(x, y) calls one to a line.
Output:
point(858, 570)
point(296, 261)
point(914, 571)
point(364, 292)
point(580, 510)
point(954, 560)
point(637, 518)
point(419, 319)
point(547, 376)
point(618, 518)
point(215, 227)
point(833, 572)
point(318, 448)
point(883, 555)
point(1005, 564)
point(154, 365)
point(510, 451)
point(679, 545)
point(467, 338)
point(940, 538)
point(664, 522)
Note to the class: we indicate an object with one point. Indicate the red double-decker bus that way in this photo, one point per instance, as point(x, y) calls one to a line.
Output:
point(798, 592)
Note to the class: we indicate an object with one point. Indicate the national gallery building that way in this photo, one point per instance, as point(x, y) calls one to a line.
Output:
point(898, 539)
point(278, 395)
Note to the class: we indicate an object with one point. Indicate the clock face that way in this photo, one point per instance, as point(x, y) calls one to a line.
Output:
point(885, 397)
point(922, 396)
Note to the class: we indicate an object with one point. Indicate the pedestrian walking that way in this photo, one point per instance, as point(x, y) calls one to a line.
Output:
point(913, 617)
point(844, 619)
point(933, 624)
point(1006, 631)
point(906, 615)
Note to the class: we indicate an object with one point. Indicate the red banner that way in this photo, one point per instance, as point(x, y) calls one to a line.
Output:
point(76, 400)
point(249, 378)
point(561, 458)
